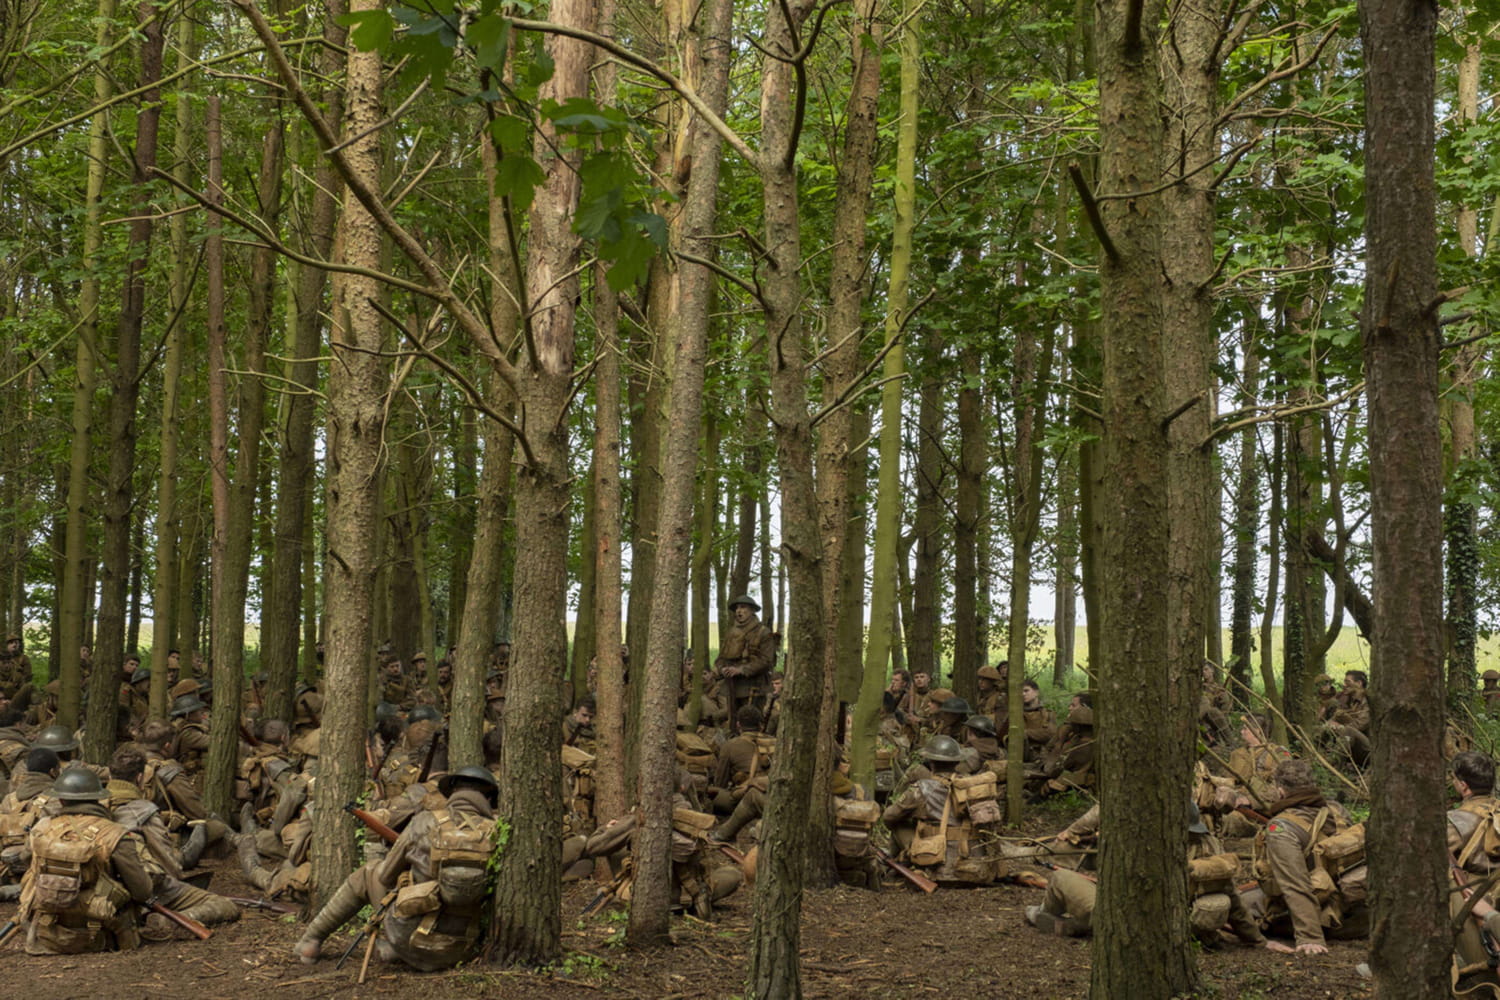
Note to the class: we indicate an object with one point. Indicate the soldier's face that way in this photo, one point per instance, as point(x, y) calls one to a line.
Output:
point(1030, 696)
point(12, 647)
point(583, 715)
point(921, 680)
point(393, 669)
point(445, 674)
point(742, 614)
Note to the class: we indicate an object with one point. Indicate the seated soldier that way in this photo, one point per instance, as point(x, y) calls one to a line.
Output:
point(1069, 759)
point(14, 740)
point(980, 737)
point(190, 717)
point(1037, 719)
point(1307, 900)
point(741, 761)
point(1068, 907)
point(162, 861)
point(1490, 692)
point(1475, 847)
point(1348, 724)
point(94, 875)
point(992, 701)
point(578, 727)
point(434, 922)
point(943, 821)
point(19, 811)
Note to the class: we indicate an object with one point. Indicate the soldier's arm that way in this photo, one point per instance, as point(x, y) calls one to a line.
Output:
point(760, 655)
point(126, 861)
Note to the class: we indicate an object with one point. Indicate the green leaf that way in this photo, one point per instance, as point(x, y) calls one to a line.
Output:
point(369, 30)
point(512, 134)
point(517, 178)
point(489, 37)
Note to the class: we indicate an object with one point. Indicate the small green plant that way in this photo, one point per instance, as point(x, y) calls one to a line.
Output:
point(583, 965)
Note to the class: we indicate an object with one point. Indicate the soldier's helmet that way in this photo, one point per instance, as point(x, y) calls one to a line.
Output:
point(424, 713)
point(981, 724)
point(140, 674)
point(955, 705)
point(989, 673)
point(1195, 819)
point(386, 710)
point(78, 784)
point(1321, 680)
point(470, 773)
point(55, 738)
point(186, 705)
point(1490, 675)
point(942, 748)
point(744, 599)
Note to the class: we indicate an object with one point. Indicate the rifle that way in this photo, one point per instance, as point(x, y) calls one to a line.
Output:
point(431, 754)
point(11, 926)
point(374, 825)
point(1467, 911)
point(915, 878)
point(1252, 815)
point(730, 851)
point(263, 904)
point(186, 923)
point(248, 736)
point(608, 892)
point(370, 925)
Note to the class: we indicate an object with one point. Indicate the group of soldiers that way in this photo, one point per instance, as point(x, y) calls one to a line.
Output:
point(101, 857)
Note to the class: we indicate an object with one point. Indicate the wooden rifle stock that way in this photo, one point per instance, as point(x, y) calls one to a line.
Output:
point(431, 755)
point(248, 736)
point(1050, 866)
point(186, 923)
point(10, 928)
point(1252, 815)
point(264, 904)
point(374, 825)
point(915, 878)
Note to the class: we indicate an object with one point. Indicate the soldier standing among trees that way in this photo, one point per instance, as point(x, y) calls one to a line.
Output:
point(747, 654)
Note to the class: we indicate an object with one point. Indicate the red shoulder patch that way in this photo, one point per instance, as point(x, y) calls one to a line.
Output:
point(1271, 827)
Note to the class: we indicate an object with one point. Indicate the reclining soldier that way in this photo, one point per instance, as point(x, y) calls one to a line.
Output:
point(86, 875)
point(433, 923)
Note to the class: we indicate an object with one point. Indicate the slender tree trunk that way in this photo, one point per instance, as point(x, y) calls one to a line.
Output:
point(77, 560)
point(922, 624)
point(846, 296)
point(1145, 720)
point(296, 464)
point(356, 412)
point(234, 502)
point(1273, 586)
point(774, 967)
point(884, 573)
point(1247, 502)
point(968, 657)
point(1065, 587)
point(1410, 937)
point(119, 494)
point(528, 903)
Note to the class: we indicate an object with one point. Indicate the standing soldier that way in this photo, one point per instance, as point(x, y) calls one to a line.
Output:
point(747, 655)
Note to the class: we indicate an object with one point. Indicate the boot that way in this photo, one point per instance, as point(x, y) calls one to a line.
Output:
point(730, 828)
point(345, 904)
point(192, 848)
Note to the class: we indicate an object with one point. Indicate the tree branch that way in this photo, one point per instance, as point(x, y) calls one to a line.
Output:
point(1091, 209)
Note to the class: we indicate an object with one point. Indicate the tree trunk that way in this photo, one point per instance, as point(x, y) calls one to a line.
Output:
point(119, 493)
point(1410, 937)
point(296, 464)
point(77, 560)
point(356, 417)
point(774, 966)
point(922, 624)
point(234, 502)
point(528, 891)
point(968, 657)
point(705, 59)
point(1145, 722)
point(884, 573)
point(1247, 501)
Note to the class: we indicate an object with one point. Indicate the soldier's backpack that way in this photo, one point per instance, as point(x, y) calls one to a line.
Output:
point(578, 787)
point(765, 749)
point(694, 754)
point(975, 795)
point(69, 877)
point(1485, 838)
point(689, 830)
point(885, 770)
point(459, 853)
point(853, 819)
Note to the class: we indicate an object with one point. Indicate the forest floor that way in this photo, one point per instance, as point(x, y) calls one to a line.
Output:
point(897, 944)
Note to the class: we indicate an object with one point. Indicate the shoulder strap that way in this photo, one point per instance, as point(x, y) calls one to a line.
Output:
point(1316, 833)
point(1477, 837)
point(943, 823)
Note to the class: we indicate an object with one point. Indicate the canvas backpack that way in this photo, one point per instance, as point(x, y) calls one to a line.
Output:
point(69, 869)
point(460, 853)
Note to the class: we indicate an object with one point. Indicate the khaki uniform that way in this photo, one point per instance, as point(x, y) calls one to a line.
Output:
point(15, 675)
point(1286, 845)
point(752, 649)
point(190, 749)
point(101, 917)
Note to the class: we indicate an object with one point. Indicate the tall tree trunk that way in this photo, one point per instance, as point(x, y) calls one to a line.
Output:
point(356, 416)
point(164, 583)
point(1247, 501)
point(775, 933)
point(296, 463)
point(705, 59)
point(1273, 585)
point(77, 560)
point(922, 624)
point(1410, 937)
point(119, 493)
point(968, 656)
point(234, 502)
point(846, 296)
point(528, 902)
point(1145, 722)
point(887, 538)
point(1065, 586)
point(1460, 523)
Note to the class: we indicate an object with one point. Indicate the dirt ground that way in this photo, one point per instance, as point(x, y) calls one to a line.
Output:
point(897, 944)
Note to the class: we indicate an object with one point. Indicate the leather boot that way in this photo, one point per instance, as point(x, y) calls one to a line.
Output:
point(345, 904)
point(192, 848)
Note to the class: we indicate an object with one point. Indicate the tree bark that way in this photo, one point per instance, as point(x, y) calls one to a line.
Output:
point(1145, 722)
point(119, 493)
point(1247, 501)
point(1410, 937)
point(705, 56)
point(356, 417)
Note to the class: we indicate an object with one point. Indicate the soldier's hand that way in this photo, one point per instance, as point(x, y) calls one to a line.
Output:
point(1312, 948)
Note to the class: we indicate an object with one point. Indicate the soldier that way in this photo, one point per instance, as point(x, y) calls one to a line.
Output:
point(19, 810)
point(94, 875)
point(434, 922)
point(747, 655)
point(992, 701)
point(917, 697)
point(445, 685)
point(1470, 837)
point(1491, 690)
point(743, 761)
point(773, 704)
point(944, 822)
point(1349, 718)
point(578, 727)
point(171, 787)
point(1037, 719)
point(894, 698)
point(393, 686)
point(13, 740)
point(1214, 704)
point(190, 717)
point(135, 695)
point(15, 670)
point(1327, 695)
point(980, 736)
point(174, 667)
point(1069, 758)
